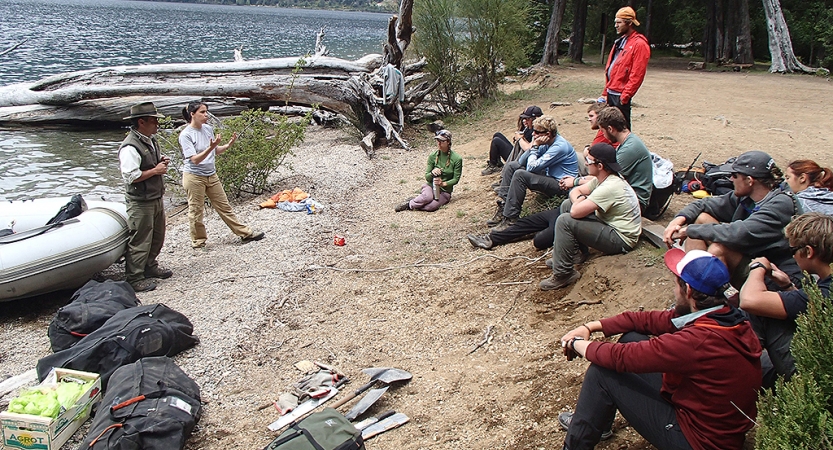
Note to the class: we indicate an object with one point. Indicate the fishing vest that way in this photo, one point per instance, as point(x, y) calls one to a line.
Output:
point(153, 187)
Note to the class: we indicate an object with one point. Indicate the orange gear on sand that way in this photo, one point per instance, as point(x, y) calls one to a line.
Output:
point(295, 195)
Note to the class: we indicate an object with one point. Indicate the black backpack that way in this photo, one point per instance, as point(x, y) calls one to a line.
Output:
point(717, 178)
point(151, 330)
point(150, 404)
point(91, 306)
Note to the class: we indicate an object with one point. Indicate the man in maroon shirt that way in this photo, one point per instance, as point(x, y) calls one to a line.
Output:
point(692, 386)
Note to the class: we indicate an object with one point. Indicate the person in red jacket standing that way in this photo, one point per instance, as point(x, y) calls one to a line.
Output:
point(692, 386)
point(627, 63)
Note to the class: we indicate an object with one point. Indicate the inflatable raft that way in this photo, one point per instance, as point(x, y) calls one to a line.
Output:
point(39, 258)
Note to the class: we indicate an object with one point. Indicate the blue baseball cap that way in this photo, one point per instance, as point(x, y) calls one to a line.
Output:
point(701, 270)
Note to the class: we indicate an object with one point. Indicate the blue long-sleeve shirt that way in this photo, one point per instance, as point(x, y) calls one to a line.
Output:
point(556, 160)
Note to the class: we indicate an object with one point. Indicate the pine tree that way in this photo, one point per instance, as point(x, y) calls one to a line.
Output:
point(800, 416)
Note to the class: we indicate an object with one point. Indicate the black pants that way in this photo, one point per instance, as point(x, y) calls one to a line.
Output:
point(542, 224)
point(500, 149)
point(638, 399)
point(616, 100)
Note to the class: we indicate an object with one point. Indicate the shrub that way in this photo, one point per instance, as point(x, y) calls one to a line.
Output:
point(265, 140)
point(800, 416)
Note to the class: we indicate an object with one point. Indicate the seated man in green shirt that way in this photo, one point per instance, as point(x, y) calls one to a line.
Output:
point(631, 154)
point(602, 213)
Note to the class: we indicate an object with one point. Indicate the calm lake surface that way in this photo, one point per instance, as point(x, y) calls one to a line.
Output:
point(69, 35)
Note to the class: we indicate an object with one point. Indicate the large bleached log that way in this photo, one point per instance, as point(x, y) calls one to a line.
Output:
point(103, 95)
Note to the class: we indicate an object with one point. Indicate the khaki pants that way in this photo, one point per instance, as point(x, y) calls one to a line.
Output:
point(146, 222)
point(198, 187)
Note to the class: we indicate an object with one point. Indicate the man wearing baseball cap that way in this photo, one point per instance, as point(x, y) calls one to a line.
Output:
point(627, 63)
point(501, 148)
point(694, 385)
point(602, 213)
point(743, 224)
point(142, 167)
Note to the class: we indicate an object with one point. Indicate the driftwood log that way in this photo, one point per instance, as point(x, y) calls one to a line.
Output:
point(351, 89)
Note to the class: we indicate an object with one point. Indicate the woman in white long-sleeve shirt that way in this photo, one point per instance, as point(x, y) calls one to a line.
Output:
point(199, 147)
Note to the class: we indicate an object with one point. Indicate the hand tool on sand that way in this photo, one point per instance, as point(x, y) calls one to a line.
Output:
point(385, 375)
point(366, 402)
point(301, 410)
point(385, 425)
point(371, 420)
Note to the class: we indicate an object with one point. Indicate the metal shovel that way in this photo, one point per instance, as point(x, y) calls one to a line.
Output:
point(385, 375)
point(366, 402)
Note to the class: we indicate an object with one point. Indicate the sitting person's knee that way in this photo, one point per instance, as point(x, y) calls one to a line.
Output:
point(706, 218)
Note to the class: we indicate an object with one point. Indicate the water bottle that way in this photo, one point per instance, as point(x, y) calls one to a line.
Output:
point(436, 190)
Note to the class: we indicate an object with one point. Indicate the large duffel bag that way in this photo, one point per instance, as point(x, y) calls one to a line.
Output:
point(325, 430)
point(150, 330)
point(91, 306)
point(150, 404)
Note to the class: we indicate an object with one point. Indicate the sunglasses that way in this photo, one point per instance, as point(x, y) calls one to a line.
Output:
point(794, 250)
point(534, 131)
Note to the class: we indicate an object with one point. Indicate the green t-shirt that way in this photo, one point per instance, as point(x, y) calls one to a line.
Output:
point(618, 207)
point(637, 167)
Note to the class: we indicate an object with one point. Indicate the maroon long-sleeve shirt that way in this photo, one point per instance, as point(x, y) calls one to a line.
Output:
point(710, 368)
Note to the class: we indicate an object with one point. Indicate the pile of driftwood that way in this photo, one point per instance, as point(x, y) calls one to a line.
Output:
point(349, 90)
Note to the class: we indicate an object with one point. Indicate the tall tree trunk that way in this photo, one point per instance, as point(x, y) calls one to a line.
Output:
point(744, 38)
point(648, 20)
point(720, 30)
point(729, 30)
point(551, 46)
point(780, 44)
point(709, 44)
point(576, 51)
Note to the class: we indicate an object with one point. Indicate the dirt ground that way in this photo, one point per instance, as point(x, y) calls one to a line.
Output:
point(409, 291)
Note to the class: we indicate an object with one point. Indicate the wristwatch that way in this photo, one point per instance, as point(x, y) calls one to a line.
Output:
point(756, 265)
point(573, 341)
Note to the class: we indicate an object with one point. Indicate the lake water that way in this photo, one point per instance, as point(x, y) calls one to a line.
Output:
point(69, 35)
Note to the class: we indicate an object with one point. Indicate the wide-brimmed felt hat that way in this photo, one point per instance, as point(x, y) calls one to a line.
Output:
point(755, 164)
point(443, 135)
point(146, 109)
point(701, 270)
point(532, 112)
point(627, 13)
point(605, 154)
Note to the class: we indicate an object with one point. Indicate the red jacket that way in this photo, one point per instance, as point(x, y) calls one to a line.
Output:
point(709, 364)
point(630, 67)
point(602, 139)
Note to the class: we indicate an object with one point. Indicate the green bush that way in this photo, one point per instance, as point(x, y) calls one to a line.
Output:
point(800, 416)
point(469, 45)
point(265, 140)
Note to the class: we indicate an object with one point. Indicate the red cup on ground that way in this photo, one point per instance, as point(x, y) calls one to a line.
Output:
point(338, 240)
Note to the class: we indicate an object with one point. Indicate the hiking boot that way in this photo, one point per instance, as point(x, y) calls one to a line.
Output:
point(495, 185)
point(143, 285)
point(482, 241)
point(579, 258)
point(403, 206)
point(565, 418)
point(490, 169)
point(498, 217)
point(559, 281)
point(158, 272)
point(505, 223)
point(255, 236)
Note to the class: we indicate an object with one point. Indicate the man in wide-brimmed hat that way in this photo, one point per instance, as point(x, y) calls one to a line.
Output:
point(142, 168)
point(627, 63)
